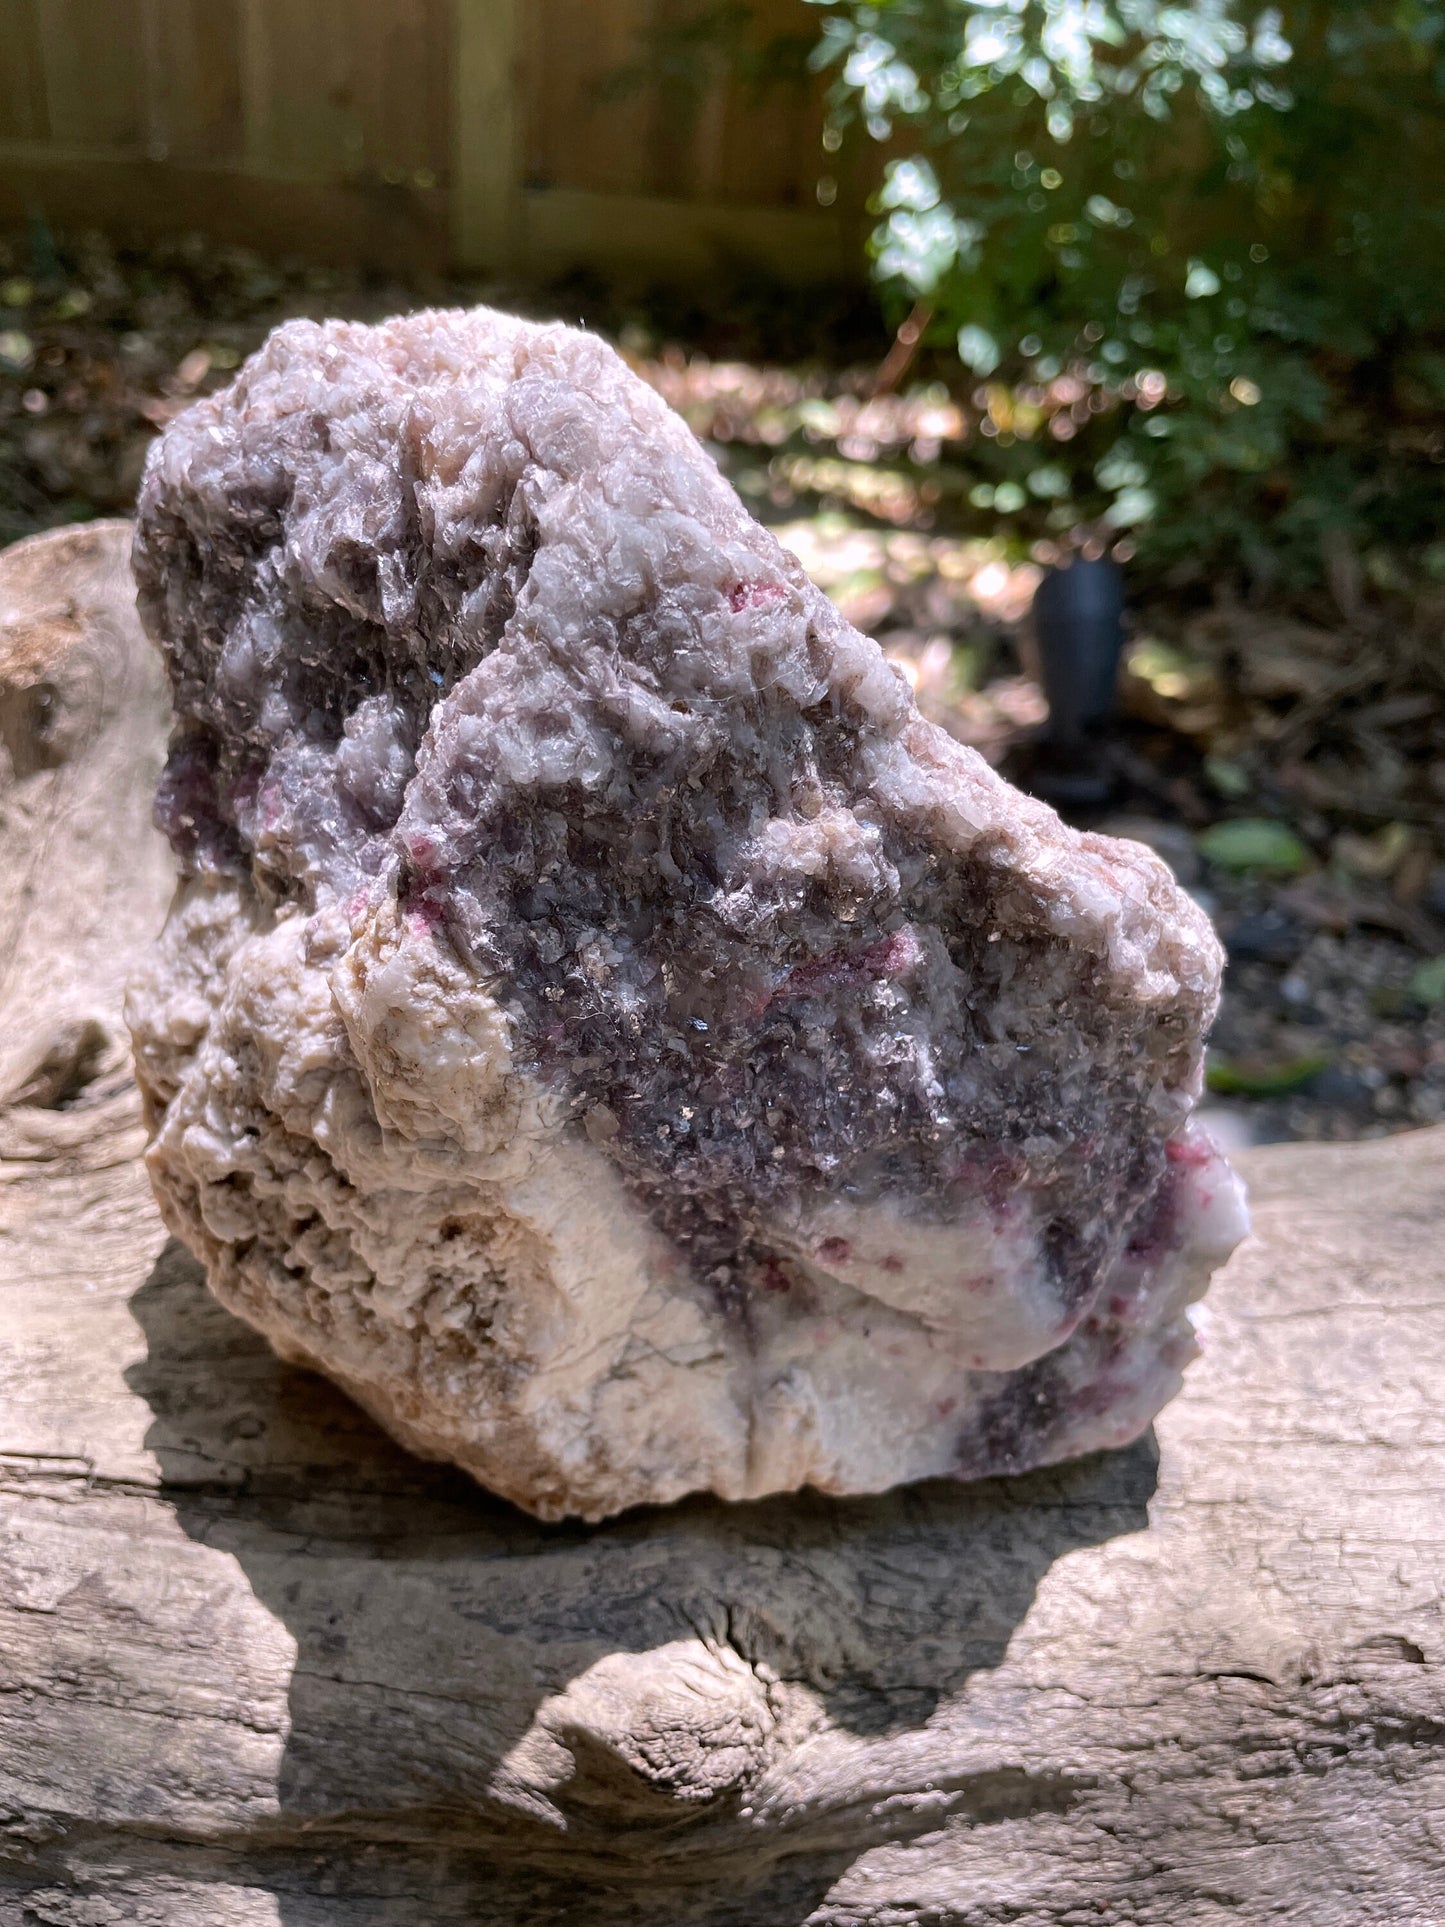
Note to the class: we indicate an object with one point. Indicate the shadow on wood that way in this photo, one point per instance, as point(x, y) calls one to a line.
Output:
point(406, 1725)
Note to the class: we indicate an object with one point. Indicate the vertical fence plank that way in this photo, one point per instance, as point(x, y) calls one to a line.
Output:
point(22, 76)
point(479, 132)
point(485, 189)
point(94, 79)
point(700, 134)
point(311, 128)
point(773, 139)
point(400, 74)
point(331, 93)
point(254, 64)
point(155, 93)
point(194, 81)
point(576, 135)
point(709, 158)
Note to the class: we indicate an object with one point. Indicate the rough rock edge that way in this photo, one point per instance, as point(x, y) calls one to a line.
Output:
point(555, 1354)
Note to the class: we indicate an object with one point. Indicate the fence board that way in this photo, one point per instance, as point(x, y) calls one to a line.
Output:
point(464, 133)
point(594, 122)
point(640, 232)
point(22, 75)
point(574, 136)
point(486, 76)
point(402, 230)
point(304, 125)
point(340, 92)
point(773, 134)
point(195, 81)
point(94, 81)
point(400, 68)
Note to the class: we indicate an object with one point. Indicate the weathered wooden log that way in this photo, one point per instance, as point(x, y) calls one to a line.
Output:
point(258, 1665)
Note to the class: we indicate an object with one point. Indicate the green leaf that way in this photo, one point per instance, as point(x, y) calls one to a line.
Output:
point(1427, 984)
point(17, 351)
point(1230, 209)
point(1255, 844)
point(1226, 778)
point(1243, 1077)
point(977, 349)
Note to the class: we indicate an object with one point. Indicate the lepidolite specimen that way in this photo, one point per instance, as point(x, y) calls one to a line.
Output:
point(601, 1024)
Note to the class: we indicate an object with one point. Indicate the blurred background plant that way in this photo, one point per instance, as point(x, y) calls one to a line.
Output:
point(1184, 263)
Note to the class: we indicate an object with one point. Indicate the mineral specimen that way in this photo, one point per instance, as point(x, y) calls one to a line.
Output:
point(601, 1024)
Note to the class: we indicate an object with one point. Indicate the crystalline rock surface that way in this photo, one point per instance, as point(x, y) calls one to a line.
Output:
point(601, 1024)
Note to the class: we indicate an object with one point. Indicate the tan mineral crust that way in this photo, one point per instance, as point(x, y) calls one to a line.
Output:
point(601, 1024)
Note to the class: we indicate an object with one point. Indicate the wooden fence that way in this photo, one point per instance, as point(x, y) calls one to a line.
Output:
point(406, 134)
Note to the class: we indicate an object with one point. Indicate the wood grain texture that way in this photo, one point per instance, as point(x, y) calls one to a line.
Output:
point(22, 74)
point(91, 52)
point(401, 227)
point(619, 99)
point(485, 67)
point(413, 135)
point(563, 226)
point(194, 64)
point(257, 1665)
point(336, 92)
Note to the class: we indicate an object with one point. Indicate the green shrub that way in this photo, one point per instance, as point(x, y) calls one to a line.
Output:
point(1190, 257)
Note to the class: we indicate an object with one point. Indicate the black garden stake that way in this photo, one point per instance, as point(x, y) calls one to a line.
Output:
point(1079, 627)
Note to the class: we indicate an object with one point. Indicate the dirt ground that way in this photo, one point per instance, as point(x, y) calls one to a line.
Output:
point(1289, 763)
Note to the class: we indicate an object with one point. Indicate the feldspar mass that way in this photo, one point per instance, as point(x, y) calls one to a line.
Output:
point(601, 1024)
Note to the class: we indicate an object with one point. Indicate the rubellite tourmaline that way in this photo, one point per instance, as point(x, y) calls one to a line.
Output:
point(602, 1025)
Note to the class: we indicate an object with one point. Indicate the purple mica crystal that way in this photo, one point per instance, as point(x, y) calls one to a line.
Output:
point(602, 1024)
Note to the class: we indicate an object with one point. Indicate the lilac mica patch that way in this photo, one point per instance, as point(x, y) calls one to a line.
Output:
point(602, 1024)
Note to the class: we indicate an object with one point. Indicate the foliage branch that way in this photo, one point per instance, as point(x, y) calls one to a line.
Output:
point(1227, 220)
